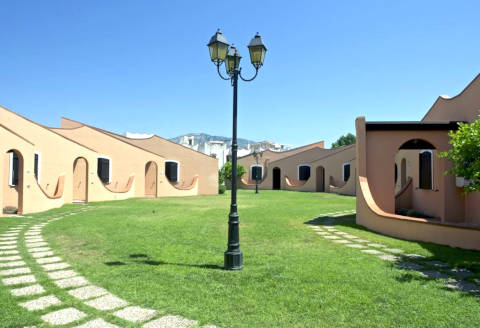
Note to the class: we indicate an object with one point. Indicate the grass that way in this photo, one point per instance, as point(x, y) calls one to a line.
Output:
point(167, 254)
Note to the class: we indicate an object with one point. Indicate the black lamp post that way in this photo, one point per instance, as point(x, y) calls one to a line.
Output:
point(221, 52)
point(257, 155)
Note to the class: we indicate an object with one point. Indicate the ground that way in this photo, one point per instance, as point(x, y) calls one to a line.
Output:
point(306, 264)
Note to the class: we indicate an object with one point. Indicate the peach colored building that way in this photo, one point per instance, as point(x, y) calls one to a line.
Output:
point(308, 168)
point(43, 168)
point(399, 173)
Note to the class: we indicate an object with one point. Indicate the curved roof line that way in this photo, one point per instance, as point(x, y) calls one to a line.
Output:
point(334, 152)
point(153, 136)
point(444, 98)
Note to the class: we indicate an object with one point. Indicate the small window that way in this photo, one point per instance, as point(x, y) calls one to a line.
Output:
point(256, 172)
point(396, 173)
point(14, 169)
point(37, 166)
point(103, 169)
point(171, 171)
point(426, 169)
point(346, 172)
point(303, 172)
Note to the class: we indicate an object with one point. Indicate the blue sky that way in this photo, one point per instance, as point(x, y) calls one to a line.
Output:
point(143, 66)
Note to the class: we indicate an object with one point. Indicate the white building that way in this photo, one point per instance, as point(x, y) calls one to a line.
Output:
point(216, 149)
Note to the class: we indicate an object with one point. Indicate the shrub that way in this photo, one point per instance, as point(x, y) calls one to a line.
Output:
point(221, 189)
point(225, 172)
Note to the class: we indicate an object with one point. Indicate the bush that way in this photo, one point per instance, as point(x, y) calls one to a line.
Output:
point(221, 189)
point(225, 172)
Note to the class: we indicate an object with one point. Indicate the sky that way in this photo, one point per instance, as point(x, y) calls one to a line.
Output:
point(143, 66)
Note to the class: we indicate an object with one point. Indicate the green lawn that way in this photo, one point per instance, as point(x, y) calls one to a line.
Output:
point(167, 254)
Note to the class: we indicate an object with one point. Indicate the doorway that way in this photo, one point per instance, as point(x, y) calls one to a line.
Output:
point(151, 179)
point(13, 183)
point(80, 180)
point(276, 178)
point(320, 179)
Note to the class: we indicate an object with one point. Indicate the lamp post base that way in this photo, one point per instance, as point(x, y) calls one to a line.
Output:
point(233, 260)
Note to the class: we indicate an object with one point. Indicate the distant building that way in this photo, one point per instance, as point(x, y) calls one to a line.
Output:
point(215, 148)
point(268, 145)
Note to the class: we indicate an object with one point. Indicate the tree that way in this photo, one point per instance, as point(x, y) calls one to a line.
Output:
point(465, 154)
point(345, 140)
point(225, 172)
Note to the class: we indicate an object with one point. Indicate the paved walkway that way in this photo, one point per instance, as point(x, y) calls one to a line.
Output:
point(452, 277)
point(21, 279)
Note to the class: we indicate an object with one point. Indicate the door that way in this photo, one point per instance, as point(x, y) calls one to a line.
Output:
point(276, 178)
point(151, 179)
point(80, 181)
point(320, 179)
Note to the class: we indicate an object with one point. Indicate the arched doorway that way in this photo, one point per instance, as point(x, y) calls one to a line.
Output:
point(80, 180)
point(276, 178)
point(151, 179)
point(13, 182)
point(320, 179)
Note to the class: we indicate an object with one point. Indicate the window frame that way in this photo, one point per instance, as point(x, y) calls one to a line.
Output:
point(431, 169)
point(343, 171)
point(10, 171)
point(109, 168)
point(251, 171)
point(39, 166)
point(298, 171)
point(178, 169)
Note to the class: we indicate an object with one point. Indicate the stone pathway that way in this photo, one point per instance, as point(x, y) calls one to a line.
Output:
point(17, 275)
point(432, 269)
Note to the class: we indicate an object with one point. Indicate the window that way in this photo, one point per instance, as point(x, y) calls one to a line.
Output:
point(104, 167)
point(426, 169)
point(171, 171)
point(37, 164)
point(256, 171)
point(346, 172)
point(303, 172)
point(14, 169)
point(396, 172)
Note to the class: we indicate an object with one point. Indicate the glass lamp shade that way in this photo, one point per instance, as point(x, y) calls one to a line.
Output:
point(257, 51)
point(232, 62)
point(218, 47)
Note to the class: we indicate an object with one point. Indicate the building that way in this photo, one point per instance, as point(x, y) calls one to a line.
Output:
point(400, 174)
point(44, 168)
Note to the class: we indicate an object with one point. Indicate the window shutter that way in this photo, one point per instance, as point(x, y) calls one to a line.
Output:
point(15, 169)
point(35, 166)
point(425, 167)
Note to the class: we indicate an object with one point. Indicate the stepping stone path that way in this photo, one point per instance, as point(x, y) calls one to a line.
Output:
point(15, 273)
point(397, 256)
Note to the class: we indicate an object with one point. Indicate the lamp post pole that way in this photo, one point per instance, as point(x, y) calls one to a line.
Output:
point(221, 51)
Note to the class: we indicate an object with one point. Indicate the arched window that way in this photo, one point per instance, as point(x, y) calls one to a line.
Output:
point(104, 169)
point(303, 172)
point(425, 158)
point(256, 171)
point(172, 171)
point(346, 171)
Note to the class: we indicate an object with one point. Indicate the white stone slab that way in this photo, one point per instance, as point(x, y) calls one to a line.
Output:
point(394, 250)
point(63, 317)
point(358, 240)
point(439, 264)
point(371, 251)
point(331, 237)
point(71, 282)
point(36, 244)
point(376, 245)
point(323, 233)
point(19, 280)
point(12, 264)
point(170, 321)
point(39, 249)
point(341, 241)
point(10, 258)
point(8, 247)
point(98, 323)
point(355, 245)
point(135, 314)
point(8, 238)
point(42, 254)
point(10, 252)
point(61, 274)
point(107, 302)
point(45, 260)
point(10, 242)
point(41, 303)
point(350, 236)
point(414, 256)
point(13, 234)
point(84, 293)
point(388, 257)
point(13, 272)
point(27, 291)
point(409, 265)
point(55, 266)
point(34, 240)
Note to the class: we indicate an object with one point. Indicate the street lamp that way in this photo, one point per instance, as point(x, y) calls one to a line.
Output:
point(257, 155)
point(221, 51)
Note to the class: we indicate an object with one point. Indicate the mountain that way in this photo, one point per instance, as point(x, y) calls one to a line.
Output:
point(203, 137)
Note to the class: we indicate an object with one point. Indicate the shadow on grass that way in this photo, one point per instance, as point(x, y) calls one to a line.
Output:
point(456, 258)
point(145, 260)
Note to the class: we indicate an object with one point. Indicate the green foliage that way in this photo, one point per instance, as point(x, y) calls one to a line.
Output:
point(465, 154)
point(345, 140)
point(221, 189)
point(225, 172)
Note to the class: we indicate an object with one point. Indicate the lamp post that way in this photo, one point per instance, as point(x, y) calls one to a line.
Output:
point(257, 155)
point(221, 51)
